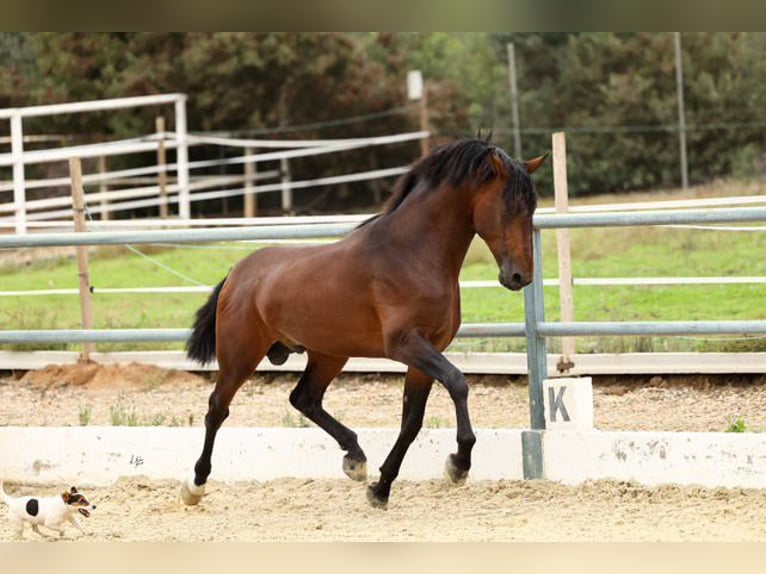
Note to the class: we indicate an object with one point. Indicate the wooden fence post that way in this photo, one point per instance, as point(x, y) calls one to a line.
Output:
point(251, 199)
point(424, 124)
point(561, 191)
point(416, 92)
point(78, 203)
point(162, 173)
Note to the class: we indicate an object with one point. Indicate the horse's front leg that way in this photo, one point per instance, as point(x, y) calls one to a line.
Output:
point(416, 351)
point(417, 386)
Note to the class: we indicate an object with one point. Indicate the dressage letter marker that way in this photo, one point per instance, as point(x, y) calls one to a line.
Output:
point(568, 403)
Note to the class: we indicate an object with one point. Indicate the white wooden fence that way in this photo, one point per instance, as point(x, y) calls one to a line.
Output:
point(149, 185)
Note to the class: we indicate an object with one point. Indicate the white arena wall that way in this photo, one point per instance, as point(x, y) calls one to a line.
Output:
point(99, 456)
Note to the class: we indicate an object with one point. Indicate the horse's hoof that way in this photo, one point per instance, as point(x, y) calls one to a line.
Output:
point(452, 473)
point(191, 494)
point(355, 469)
point(374, 499)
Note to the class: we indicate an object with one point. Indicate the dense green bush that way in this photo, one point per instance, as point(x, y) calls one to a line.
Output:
point(614, 93)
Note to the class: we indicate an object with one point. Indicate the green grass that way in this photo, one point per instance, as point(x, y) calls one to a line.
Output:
point(84, 415)
point(615, 252)
point(637, 252)
point(289, 419)
point(737, 425)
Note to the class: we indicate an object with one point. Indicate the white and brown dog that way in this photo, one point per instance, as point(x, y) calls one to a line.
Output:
point(51, 511)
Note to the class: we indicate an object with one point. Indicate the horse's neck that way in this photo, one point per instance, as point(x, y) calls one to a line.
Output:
point(436, 231)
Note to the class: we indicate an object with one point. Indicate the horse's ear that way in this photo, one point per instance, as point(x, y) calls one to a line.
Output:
point(498, 165)
point(533, 164)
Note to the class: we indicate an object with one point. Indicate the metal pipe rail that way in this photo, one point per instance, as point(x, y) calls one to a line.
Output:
point(744, 214)
point(638, 328)
point(631, 219)
point(175, 235)
point(476, 330)
point(91, 106)
point(466, 331)
point(602, 282)
point(537, 329)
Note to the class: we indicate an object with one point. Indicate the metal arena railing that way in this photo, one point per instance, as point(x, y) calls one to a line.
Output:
point(535, 328)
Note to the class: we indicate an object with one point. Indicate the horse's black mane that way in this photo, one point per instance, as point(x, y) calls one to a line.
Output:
point(460, 162)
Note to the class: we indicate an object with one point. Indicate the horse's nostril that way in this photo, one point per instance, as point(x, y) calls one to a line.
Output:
point(516, 278)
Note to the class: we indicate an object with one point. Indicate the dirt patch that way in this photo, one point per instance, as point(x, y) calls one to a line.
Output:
point(131, 376)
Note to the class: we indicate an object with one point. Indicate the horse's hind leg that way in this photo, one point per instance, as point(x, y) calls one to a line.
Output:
point(307, 398)
point(237, 361)
point(417, 387)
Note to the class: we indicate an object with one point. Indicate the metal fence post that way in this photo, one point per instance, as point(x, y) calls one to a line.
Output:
point(103, 187)
point(534, 314)
point(537, 365)
point(182, 159)
point(162, 173)
point(287, 191)
point(19, 191)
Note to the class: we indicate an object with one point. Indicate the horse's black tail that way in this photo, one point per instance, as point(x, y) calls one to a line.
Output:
point(201, 345)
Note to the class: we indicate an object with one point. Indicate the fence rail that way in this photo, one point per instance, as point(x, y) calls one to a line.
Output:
point(471, 330)
point(180, 189)
point(535, 328)
point(543, 221)
point(586, 281)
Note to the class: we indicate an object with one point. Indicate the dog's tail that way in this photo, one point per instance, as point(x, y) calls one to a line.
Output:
point(201, 344)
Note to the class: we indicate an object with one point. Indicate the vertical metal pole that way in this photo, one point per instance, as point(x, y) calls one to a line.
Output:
point(681, 112)
point(566, 297)
point(287, 192)
point(251, 200)
point(182, 159)
point(514, 101)
point(162, 173)
point(537, 365)
point(19, 191)
point(103, 188)
point(537, 360)
point(78, 204)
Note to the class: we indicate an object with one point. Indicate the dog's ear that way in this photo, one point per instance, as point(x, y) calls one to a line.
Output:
point(65, 496)
point(73, 489)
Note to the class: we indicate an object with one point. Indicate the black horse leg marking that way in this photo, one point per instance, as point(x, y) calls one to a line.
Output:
point(229, 381)
point(417, 387)
point(416, 351)
point(307, 398)
point(218, 411)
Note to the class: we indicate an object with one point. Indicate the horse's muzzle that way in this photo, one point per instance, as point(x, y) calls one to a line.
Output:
point(514, 281)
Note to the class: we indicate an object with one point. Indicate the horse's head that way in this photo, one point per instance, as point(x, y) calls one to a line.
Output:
point(502, 216)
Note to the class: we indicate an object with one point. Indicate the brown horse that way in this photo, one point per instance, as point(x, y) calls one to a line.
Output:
point(388, 289)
